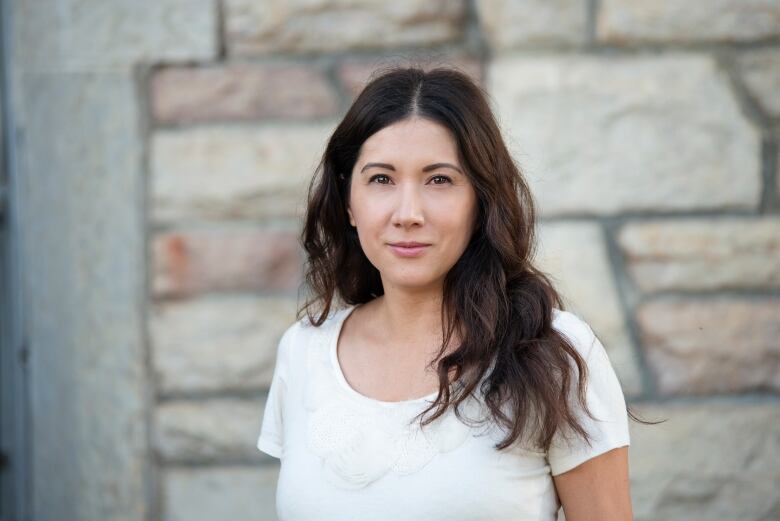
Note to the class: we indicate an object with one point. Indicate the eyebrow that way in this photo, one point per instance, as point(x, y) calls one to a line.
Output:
point(428, 168)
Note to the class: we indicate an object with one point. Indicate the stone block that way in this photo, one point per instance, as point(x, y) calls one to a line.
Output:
point(632, 21)
point(709, 460)
point(703, 254)
point(241, 92)
point(718, 345)
point(206, 494)
point(187, 262)
point(304, 26)
point(508, 24)
point(665, 133)
point(218, 342)
point(228, 172)
point(208, 430)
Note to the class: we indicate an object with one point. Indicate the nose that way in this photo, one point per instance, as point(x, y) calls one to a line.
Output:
point(409, 207)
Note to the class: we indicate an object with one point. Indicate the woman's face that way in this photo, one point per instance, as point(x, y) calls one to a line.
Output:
point(408, 186)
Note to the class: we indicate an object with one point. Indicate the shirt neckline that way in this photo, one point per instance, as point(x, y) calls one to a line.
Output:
point(340, 319)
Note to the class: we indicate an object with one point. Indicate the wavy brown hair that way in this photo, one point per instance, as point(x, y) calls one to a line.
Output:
point(498, 301)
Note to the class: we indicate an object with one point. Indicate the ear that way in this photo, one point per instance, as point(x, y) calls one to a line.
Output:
point(351, 219)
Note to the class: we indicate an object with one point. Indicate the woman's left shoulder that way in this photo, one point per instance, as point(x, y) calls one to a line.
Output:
point(575, 328)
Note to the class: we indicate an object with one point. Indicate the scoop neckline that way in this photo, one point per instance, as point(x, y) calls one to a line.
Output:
point(344, 313)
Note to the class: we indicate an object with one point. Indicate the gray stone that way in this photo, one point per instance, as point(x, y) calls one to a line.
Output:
point(621, 21)
point(709, 460)
point(234, 493)
point(575, 255)
point(225, 172)
point(664, 133)
point(703, 254)
point(724, 344)
point(80, 196)
point(304, 26)
point(509, 24)
point(89, 35)
point(218, 342)
point(760, 70)
point(208, 430)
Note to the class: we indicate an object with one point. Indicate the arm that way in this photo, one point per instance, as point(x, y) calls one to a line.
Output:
point(598, 489)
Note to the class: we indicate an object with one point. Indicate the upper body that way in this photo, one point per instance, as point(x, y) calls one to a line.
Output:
point(345, 455)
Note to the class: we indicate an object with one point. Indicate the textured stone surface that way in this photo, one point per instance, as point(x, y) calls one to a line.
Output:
point(574, 254)
point(241, 92)
point(333, 25)
point(702, 254)
point(240, 259)
point(712, 345)
point(227, 172)
point(760, 70)
point(355, 73)
point(234, 493)
point(89, 35)
point(208, 430)
point(648, 139)
point(508, 24)
point(218, 342)
point(79, 193)
point(621, 21)
point(709, 460)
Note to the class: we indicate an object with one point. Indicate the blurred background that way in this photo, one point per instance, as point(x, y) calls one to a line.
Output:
point(154, 159)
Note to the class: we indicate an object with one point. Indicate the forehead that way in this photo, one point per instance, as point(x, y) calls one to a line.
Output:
point(410, 135)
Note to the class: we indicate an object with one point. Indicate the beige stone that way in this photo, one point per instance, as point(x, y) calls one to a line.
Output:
point(646, 140)
point(621, 21)
point(228, 493)
point(241, 92)
point(724, 344)
point(703, 254)
point(709, 460)
point(193, 261)
point(218, 342)
point(206, 430)
point(760, 70)
point(575, 255)
point(225, 172)
point(508, 24)
point(305, 26)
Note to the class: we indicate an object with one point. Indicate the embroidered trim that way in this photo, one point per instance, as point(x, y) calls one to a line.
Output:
point(360, 442)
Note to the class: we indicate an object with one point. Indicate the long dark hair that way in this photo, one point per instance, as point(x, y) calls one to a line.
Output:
point(500, 303)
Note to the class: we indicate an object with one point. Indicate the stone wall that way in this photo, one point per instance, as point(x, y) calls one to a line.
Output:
point(648, 130)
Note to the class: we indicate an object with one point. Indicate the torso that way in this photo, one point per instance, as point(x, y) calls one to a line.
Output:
point(376, 370)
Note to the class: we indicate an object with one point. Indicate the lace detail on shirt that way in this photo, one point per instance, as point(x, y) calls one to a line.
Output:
point(358, 442)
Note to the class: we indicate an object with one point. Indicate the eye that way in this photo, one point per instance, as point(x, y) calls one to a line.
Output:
point(371, 179)
point(446, 179)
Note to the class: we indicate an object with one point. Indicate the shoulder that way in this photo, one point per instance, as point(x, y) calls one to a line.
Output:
point(576, 329)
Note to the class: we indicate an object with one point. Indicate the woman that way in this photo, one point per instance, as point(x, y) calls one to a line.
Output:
point(452, 385)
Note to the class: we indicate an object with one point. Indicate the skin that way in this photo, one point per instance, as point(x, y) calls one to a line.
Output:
point(598, 489)
point(391, 335)
point(402, 198)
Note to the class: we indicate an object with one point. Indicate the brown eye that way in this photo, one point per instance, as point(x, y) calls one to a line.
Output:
point(444, 177)
point(371, 180)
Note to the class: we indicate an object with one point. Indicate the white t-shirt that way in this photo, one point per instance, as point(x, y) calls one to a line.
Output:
point(345, 456)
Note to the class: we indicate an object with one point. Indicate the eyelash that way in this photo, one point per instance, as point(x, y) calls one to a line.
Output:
point(371, 179)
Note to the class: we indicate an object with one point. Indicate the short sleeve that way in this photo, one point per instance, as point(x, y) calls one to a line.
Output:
point(605, 400)
point(271, 437)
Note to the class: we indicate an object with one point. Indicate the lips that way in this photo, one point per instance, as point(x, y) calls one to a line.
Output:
point(409, 244)
point(408, 249)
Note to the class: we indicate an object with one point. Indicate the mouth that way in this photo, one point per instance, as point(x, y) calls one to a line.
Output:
point(408, 249)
